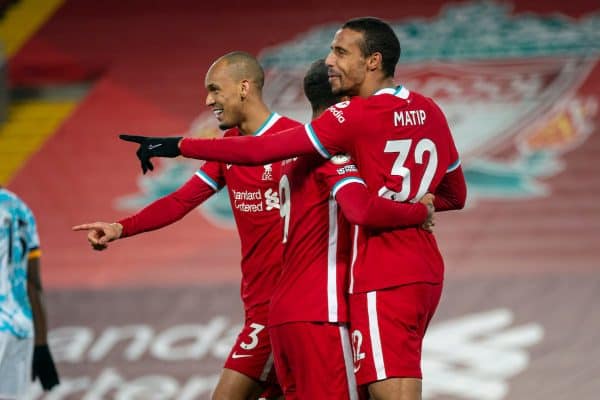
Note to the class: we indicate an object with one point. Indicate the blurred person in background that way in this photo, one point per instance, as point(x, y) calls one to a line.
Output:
point(24, 352)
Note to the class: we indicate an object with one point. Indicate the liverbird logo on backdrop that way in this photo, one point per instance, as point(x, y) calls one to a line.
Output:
point(510, 85)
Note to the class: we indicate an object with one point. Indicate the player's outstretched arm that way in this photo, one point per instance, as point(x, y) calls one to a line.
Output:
point(160, 213)
point(245, 150)
point(250, 150)
point(451, 193)
point(360, 207)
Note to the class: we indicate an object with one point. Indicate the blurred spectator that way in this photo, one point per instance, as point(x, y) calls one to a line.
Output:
point(22, 313)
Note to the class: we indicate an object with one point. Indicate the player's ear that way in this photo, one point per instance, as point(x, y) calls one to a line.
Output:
point(374, 61)
point(244, 89)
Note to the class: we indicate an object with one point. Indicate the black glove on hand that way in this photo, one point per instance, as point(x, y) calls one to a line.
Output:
point(153, 147)
point(43, 367)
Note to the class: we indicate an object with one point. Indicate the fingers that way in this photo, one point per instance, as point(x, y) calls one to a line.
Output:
point(428, 198)
point(108, 237)
point(82, 227)
point(85, 227)
point(428, 226)
point(146, 165)
point(101, 233)
point(144, 160)
point(94, 236)
point(98, 240)
point(133, 138)
point(99, 247)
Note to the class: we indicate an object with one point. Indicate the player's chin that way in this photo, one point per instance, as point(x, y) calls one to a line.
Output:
point(223, 125)
point(335, 84)
point(339, 90)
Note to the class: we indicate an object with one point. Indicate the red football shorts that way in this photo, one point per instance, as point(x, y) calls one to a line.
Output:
point(387, 330)
point(251, 355)
point(314, 361)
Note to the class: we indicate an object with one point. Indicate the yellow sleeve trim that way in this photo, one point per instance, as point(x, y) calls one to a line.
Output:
point(34, 254)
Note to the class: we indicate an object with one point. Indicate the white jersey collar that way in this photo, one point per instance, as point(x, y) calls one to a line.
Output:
point(268, 124)
point(399, 91)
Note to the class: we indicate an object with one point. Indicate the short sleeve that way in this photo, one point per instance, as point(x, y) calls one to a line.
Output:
point(28, 227)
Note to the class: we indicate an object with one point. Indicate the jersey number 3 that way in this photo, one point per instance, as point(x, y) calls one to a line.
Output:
point(402, 147)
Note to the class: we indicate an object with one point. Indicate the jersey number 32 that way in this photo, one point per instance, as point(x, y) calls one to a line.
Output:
point(403, 147)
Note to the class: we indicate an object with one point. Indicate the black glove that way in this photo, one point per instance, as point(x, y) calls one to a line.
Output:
point(43, 367)
point(153, 147)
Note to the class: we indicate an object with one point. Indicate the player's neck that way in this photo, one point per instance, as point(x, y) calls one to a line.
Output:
point(256, 116)
point(370, 87)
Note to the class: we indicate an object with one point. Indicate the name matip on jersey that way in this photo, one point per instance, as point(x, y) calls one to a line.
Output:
point(402, 144)
point(317, 245)
point(254, 195)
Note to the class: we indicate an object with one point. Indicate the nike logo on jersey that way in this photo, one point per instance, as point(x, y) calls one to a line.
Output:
point(227, 166)
point(153, 146)
point(236, 355)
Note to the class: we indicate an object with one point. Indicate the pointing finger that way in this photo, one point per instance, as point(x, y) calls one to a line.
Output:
point(84, 227)
point(132, 138)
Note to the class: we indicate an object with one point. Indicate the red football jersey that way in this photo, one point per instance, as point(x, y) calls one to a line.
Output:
point(316, 236)
point(254, 196)
point(402, 143)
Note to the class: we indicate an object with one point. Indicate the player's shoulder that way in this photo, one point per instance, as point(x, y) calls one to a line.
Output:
point(402, 98)
point(284, 122)
point(10, 199)
point(419, 99)
point(352, 103)
point(345, 110)
point(14, 204)
point(432, 108)
point(394, 96)
point(276, 123)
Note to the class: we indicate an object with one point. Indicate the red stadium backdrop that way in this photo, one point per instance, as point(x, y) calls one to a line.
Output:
point(155, 314)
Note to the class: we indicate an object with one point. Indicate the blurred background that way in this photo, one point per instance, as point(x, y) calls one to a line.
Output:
point(154, 316)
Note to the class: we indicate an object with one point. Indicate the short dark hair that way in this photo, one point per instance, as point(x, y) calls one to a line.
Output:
point(317, 88)
point(246, 67)
point(379, 37)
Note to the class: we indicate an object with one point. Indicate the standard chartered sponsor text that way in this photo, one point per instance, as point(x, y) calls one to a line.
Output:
point(254, 200)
